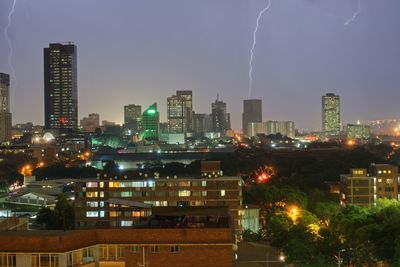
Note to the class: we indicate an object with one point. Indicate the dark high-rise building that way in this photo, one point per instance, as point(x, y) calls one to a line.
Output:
point(60, 86)
point(187, 95)
point(219, 117)
point(330, 114)
point(252, 112)
point(202, 123)
point(5, 115)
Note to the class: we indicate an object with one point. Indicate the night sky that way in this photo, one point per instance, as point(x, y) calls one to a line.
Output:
point(139, 52)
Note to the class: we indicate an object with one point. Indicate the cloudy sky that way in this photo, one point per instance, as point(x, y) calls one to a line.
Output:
point(139, 52)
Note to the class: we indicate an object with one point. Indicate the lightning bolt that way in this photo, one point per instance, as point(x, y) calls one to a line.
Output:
point(9, 41)
point(358, 11)
point(254, 44)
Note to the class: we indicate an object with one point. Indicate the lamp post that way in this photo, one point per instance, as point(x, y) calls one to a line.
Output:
point(339, 259)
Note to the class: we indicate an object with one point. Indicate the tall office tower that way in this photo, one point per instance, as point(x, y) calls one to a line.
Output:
point(252, 112)
point(330, 114)
point(132, 113)
point(188, 96)
point(60, 87)
point(5, 115)
point(91, 122)
point(202, 123)
point(176, 114)
point(219, 116)
point(132, 118)
point(151, 121)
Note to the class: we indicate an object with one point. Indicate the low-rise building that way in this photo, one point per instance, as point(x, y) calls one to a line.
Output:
point(98, 200)
point(363, 188)
point(194, 247)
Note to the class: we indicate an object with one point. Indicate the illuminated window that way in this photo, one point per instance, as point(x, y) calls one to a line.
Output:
point(138, 213)
point(102, 213)
point(91, 214)
point(113, 214)
point(91, 184)
point(126, 223)
point(183, 183)
point(91, 194)
point(114, 184)
point(222, 193)
point(126, 194)
point(101, 194)
point(203, 183)
point(184, 193)
point(91, 204)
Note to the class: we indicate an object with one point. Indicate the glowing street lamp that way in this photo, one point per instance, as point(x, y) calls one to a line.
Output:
point(294, 212)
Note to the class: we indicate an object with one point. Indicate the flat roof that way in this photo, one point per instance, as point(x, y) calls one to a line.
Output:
point(63, 241)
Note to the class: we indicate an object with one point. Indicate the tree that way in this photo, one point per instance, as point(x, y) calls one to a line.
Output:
point(61, 218)
point(64, 211)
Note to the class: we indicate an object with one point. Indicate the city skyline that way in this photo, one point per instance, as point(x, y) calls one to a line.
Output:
point(207, 52)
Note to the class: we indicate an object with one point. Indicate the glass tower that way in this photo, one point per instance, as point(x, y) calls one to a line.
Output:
point(150, 121)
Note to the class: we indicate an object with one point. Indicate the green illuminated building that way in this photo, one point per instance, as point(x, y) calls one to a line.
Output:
point(150, 121)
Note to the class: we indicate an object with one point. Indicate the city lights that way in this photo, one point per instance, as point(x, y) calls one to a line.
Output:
point(264, 174)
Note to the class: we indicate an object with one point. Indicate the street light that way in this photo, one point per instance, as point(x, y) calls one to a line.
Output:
point(339, 259)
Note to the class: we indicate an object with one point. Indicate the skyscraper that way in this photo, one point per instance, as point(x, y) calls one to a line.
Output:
point(176, 114)
point(5, 115)
point(132, 113)
point(151, 121)
point(60, 86)
point(188, 100)
point(252, 112)
point(330, 114)
point(132, 118)
point(219, 116)
point(202, 123)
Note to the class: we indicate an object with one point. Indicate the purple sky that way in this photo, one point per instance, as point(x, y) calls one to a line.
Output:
point(138, 52)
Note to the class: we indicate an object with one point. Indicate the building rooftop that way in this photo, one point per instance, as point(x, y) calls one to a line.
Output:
point(62, 241)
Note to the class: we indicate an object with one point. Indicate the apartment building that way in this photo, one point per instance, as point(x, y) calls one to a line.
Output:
point(172, 247)
point(103, 202)
point(363, 188)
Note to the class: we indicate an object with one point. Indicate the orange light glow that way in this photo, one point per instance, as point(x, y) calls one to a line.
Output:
point(294, 212)
point(351, 143)
point(26, 170)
